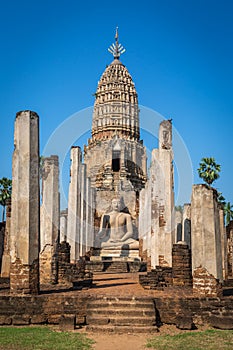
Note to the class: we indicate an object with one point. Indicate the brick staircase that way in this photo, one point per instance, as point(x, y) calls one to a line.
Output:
point(115, 266)
point(121, 315)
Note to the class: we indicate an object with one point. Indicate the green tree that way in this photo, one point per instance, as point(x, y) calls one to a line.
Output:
point(209, 170)
point(221, 199)
point(41, 165)
point(228, 211)
point(179, 208)
point(5, 193)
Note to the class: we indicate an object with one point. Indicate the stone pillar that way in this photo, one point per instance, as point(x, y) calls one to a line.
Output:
point(141, 224)
point(5, 270)
point(206, 237)
point(223, 243)
point(145, 235)
point(89, 215)
point(2, 238)
point(162, 199)
point(25, 217)
point(187, 224)
point(73, 227)
point(63, 225)
point(178, 225)
point(82, 221)
point(229, 232)
point(49, 222)
point(149, 236)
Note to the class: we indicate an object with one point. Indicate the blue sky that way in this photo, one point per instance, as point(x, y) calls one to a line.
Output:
point(179, 53)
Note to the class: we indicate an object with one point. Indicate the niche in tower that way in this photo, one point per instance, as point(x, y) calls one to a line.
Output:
point(116, 160)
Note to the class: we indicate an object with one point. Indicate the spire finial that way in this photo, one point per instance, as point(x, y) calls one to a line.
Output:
point(116, 49)
point(116, 36)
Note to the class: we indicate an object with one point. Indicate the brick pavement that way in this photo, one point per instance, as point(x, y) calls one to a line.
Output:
point(127, 284)
point(108, 284)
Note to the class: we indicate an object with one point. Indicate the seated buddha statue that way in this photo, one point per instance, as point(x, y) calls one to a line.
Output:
point(116, 229)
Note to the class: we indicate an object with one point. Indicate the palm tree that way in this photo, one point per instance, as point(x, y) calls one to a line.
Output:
point(5, 193)
point(228, 211)
point(221, 200)
point(209, 170)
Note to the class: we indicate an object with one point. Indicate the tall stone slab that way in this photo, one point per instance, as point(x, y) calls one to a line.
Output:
point(63, 225)
point(89, 215)
point(5, 269)
point(229, 233)
point(145, 224)
point(187, 224)
point(83, 211)
point(50, 220)
point(178, 225)
point(25, 218)
point(205, 231)
point(162, 198)
point(74, 203)
point(223, 243)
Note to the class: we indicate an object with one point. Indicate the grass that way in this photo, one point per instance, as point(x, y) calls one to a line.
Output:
point(208, 340)
point(41, 338)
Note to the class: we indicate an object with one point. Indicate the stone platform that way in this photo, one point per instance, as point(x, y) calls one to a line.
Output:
point(115, 265)
point(116, 255)
point(115, 261)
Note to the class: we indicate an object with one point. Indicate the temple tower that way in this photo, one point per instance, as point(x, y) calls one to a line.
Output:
point(115, 156)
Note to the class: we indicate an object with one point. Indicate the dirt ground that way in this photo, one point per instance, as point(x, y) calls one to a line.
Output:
point(118, 341)
point(108, 341)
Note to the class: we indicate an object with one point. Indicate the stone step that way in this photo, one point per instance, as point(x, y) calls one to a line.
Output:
point(123, 312)
point(126, 300)
point(121, 321)
point(228, 282)
point(121, 304)
point(122, 329)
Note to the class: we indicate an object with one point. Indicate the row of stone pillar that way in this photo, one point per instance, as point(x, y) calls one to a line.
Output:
point(80, 232)
point(33, 231)
point(200, 226)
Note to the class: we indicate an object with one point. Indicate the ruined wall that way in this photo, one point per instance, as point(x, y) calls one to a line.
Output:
point(181, 265)
point(205, 284)
point(48, 309)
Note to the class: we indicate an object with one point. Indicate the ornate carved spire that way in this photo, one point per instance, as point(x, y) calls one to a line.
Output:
point(116, 49)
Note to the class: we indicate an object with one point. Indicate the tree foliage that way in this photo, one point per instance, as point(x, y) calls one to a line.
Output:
point(228, 211)
point(221, 199)
point(5, 193)
point(209, 170)
point(179, 208)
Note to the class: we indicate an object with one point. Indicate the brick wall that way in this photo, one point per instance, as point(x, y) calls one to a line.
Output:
point(52, 308)
point(204, 284)
point(181, 265)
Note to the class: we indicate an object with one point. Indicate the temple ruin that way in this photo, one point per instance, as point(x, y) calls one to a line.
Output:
point(121, 218)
